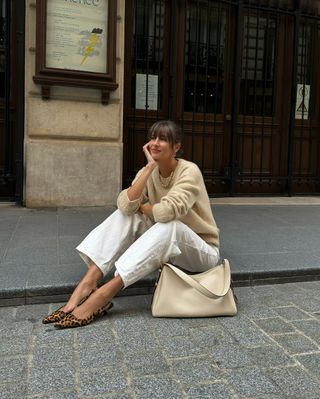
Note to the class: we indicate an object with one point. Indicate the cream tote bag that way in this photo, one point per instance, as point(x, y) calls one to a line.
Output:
point(206, 294)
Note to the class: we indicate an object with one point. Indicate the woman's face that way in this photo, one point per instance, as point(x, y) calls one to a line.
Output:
point(161, 149)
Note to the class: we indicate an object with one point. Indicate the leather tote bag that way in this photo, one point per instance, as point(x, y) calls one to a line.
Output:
point(178, 294)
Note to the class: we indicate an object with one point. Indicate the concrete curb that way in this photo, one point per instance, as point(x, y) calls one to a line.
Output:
point(36, 295)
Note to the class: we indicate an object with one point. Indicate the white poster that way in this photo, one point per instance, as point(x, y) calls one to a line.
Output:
point(146, 91)
point(77, 35)
point(302, 104)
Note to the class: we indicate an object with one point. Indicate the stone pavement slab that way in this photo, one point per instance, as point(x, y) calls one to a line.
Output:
point(130, 355)
point(264, 243)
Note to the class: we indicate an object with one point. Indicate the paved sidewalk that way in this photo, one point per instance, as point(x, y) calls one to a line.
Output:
point(264, 243)
point(270, 350)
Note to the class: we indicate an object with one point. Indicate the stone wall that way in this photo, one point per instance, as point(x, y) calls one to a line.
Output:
point(73, 143)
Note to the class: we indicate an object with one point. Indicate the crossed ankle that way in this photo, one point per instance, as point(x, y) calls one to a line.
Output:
point(68, 308)
point(72, 304)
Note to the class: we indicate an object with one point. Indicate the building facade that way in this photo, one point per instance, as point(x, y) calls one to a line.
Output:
point(240, 77)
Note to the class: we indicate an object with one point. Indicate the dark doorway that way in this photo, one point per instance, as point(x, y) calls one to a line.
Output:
point(231, 73)
point(11, 98)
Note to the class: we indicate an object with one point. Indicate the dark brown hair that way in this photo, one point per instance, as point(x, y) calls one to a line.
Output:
point(166, 130)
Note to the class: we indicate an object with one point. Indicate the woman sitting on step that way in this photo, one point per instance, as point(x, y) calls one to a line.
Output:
point(165, 215)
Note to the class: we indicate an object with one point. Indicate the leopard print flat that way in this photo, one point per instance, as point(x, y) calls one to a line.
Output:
point(71, 321)
point(59, 314)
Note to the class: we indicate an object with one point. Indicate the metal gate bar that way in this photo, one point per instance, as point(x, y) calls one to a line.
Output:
point(207, 47)
point(218, 47)
point(7, 171)
point(235, 96)
point(297, 17)
point(20, 102)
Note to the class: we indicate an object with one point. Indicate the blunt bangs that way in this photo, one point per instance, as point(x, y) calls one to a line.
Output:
point(167, 131)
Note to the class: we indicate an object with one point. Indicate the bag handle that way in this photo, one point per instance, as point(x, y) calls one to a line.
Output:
point(199, 287)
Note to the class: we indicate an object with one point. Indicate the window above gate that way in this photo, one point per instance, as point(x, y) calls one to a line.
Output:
point(148, 55)
point(205, 39)
point(258, 61)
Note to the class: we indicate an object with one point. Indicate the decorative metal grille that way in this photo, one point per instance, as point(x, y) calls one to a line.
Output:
point(148, 30)
point(240, 76)
point(204, 58)
point(258, 63)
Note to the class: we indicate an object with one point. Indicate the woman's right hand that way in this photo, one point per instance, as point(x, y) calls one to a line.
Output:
point(146, 150)
point(135, 191)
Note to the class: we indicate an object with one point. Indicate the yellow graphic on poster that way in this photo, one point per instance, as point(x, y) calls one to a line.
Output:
point(76, 35)
point(93, 41)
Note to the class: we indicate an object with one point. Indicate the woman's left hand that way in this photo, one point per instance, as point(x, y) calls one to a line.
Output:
point(146, 209)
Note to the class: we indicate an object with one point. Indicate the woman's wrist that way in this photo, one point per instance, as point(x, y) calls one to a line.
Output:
point(146, 209)
point(150, 166)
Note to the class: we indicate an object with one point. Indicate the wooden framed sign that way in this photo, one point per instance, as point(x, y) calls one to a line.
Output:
point(76, 45)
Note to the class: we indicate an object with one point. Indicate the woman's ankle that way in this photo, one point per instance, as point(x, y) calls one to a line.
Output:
point(73, 302)
point(68, 307)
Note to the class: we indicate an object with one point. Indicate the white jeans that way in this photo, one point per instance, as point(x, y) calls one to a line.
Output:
point(137, 247)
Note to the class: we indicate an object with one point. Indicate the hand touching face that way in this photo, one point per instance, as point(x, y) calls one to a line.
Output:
point(147, 153)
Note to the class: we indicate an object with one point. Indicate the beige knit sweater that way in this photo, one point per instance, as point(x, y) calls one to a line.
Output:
point(185, 199)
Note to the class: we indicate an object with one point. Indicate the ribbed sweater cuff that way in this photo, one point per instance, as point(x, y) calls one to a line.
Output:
point(160, 214)
point(126, 205)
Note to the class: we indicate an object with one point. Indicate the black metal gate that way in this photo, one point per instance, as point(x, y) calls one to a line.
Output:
point(11, 99)
point(240, 77)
